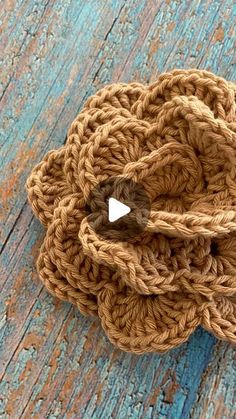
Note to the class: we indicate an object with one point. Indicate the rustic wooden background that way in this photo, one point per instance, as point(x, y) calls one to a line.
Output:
point(54, 54)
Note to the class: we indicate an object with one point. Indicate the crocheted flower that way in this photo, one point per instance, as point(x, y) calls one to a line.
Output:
point(177, 139)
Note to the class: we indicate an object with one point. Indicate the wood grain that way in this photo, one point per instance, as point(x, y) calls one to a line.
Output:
point(53, 55)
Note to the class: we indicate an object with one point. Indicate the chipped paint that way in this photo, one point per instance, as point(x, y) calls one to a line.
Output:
point(219, 34)
point(170, 26)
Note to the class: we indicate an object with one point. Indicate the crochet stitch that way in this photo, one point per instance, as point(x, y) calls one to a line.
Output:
point(176, 138)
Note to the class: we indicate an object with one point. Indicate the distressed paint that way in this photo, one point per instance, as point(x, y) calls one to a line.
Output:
point(56, 363)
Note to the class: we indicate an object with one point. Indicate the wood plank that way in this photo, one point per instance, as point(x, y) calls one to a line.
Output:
point(112, 384)
point(216, 394)
point(55, 362)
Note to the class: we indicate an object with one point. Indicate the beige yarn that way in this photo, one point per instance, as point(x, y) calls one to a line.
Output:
point(177, 138)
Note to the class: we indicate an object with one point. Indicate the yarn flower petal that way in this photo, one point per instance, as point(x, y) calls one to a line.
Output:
point(47, 185)
point(146, 324)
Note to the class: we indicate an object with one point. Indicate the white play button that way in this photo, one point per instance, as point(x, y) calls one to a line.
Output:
point(116, 210)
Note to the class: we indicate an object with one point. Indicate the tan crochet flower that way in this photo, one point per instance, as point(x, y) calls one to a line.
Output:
point(176, 138)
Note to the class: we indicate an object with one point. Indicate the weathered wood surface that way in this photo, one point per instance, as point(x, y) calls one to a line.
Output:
point(55, 363)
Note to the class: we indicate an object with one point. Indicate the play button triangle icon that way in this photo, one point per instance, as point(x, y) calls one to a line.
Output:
point(116, 210)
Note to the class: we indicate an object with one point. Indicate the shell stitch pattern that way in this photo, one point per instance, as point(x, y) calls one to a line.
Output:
point(177, 138)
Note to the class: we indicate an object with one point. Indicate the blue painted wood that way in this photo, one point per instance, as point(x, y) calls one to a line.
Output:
point(53, 55)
